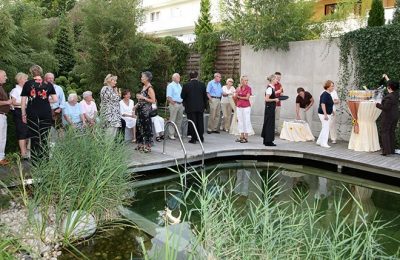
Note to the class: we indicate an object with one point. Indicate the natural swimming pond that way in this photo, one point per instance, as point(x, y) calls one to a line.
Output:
point(243, 179)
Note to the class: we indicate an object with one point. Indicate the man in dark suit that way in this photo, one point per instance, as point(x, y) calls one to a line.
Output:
point(195, 98)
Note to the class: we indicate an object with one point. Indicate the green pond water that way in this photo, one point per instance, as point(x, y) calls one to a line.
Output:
point(152, 195)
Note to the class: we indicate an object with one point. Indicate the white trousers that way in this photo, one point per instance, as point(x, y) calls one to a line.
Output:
point(3, 135)
point(158, 123)
point(324, 134)
point(332, 128)
point(244, 122)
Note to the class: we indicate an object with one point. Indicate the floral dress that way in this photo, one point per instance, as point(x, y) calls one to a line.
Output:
point(110, 107)
point(144, 126)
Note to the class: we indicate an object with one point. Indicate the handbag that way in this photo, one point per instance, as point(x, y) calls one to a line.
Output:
point(153, 111)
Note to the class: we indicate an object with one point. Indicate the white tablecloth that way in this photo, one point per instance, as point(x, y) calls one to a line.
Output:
point(297, 131)
point(367, 139)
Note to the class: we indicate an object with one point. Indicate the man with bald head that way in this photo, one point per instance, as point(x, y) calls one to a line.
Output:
point(174, 90)
point(5, 103)
point(56, 107)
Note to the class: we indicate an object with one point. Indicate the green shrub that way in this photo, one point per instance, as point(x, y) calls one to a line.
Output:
point(376, 14)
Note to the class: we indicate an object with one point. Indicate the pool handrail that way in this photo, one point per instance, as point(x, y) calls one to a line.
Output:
point(201, 142)
point(180, 140)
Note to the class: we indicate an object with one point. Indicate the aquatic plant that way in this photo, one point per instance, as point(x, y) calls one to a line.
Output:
point(265, 227)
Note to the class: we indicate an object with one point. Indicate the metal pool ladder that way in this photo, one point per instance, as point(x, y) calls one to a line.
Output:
point(182, 145)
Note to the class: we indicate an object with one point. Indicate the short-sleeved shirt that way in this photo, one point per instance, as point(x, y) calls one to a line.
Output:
point(230, 91)
point(214, 89)
point(4, 97)
point(60, 97)
point(326, 99)
point(73, 112)
point(243, 92)
point(16, 93)
point(90, 109)
point(334, 96)
point(174, 91)
point(304, 102)
point(278, 86)
point(38, 98)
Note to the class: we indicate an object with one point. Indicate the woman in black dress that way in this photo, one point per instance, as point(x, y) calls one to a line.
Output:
point(36, 111)
point(146, 98)
point(268, 130)
point(390, 116)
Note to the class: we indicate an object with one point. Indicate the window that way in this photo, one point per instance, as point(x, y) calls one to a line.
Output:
point(154, 16)
point(330, 9)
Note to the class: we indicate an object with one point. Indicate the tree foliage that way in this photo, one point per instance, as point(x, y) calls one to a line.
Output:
point(376, 14)
point(204, 24)
point(179, 52)
point(109, 43)
point(396, 15)
point(266, 24)
point(64, 50)
point(53, 8)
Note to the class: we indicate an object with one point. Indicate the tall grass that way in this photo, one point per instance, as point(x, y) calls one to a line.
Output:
point(86, 173)
point(267, 228)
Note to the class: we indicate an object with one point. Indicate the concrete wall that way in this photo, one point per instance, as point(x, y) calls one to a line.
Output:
point(307, 64)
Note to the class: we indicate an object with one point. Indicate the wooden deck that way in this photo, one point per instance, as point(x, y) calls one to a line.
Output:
point(223, 145)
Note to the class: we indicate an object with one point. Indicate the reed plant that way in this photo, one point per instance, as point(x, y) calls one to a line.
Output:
point(86, 174)
point(265, 227)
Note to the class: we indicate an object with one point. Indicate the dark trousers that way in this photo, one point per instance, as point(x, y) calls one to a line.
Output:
point(198, 119)
point(268, 130)
point(39, 133)
point(388, 134)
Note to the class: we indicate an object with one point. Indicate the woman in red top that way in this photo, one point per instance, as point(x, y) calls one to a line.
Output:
point(243, 93)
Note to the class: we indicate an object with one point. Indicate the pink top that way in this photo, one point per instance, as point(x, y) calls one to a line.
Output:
point(243, 92)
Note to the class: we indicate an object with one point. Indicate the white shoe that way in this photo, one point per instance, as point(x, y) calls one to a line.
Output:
point(325, 146)
point(172, 137)
point(334, 141)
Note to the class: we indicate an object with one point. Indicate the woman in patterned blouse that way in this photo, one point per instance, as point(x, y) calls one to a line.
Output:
point(109, 110)
point(146, 98)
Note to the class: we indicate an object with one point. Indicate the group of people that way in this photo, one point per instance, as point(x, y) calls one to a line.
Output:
point(39, 104)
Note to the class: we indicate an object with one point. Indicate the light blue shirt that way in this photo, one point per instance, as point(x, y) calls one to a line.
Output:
point(174, 91)
point(61, 97)
point(214, 88)
point(73, 112)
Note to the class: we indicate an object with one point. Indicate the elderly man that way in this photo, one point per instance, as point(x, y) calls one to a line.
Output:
point(278, 93)
point(57, 106)
point(5, 103)
point(214, 94)
point(174, 90)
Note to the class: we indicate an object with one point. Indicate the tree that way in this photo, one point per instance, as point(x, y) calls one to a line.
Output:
point(64, 50)
point(204, 24)
point(376, 14)
point(396, 15)
point(266, 24)
point(180, 53)
point(54, 8)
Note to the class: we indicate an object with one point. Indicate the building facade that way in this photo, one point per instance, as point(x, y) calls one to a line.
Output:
point(174, 17)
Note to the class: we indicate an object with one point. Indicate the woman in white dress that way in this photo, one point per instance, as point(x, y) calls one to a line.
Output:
point(127, 107)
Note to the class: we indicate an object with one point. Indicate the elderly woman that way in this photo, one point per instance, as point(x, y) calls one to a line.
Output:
point(227, 92)
point(109, 106)
point(72, 113)
point(127, 108)
point(146, 98)
point(268, 130)
point(325, 111)
point(36, 111)
point(390, 116)
point(20, 127)
point(89, 108)
point(242, 95)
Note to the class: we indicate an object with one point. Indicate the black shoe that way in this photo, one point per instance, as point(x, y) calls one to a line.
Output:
point(383, 154)
point(192, 141)
point(215, 132)
point(202, 140)
point(270, 144)
point(209, 132)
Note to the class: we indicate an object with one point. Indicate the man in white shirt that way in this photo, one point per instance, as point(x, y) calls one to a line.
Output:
point(56, 107)
point(174, 90)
